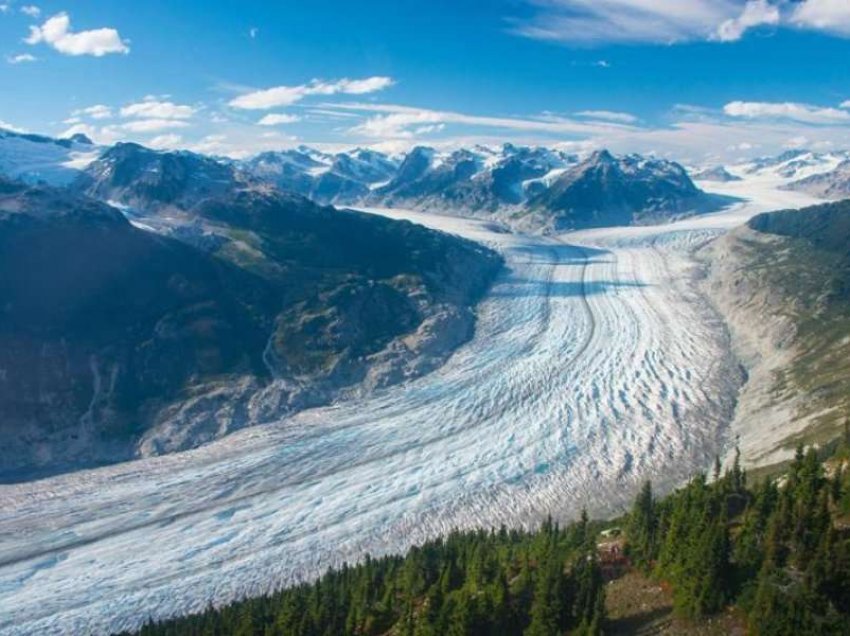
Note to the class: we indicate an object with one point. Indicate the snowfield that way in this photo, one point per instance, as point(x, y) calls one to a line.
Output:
point(596, 364)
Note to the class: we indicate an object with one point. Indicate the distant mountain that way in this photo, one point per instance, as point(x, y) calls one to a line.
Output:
point(795, 164)
point(604, 190)
point(477, 180)
point(536, 187)
point(341, 178)
point(834, 184)
point(542, 187)
point(40, 159)
point(119, 342)
point(139, 177)
point(717, 173)
point(462, 181)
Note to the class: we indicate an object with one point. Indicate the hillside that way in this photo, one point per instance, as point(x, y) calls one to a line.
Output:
point(714, 558)
point(783, 283)
point(120, 342)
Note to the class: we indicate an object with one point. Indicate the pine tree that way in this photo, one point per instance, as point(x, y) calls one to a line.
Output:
point(641, 531)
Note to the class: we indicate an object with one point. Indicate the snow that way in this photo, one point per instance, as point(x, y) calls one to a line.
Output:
point(48, 161)
point(596, 364)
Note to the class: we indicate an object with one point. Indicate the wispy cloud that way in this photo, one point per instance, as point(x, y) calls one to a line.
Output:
point(153, 108)
point(4, 125)
point(826, 15)
point(98, 111)
point(756, 13)
point(673, 21)
point(389, 121)
point(608, 115)
point(21, 58)
point(31, 10)
point(805, 113)
point(276, 119)
point(167, 141)
point(153, 125)
point(288, 95)
point(56, 32)
point(593, 21)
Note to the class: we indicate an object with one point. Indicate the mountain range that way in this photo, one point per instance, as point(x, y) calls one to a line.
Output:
point(535, 188)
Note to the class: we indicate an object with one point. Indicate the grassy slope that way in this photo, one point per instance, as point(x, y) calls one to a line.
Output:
point(791, 277)
point(810, 268)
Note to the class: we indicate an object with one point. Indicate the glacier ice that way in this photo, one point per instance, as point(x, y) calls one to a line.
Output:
point(595, 365)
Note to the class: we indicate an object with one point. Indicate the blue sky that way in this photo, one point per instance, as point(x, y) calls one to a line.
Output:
point(692, 79)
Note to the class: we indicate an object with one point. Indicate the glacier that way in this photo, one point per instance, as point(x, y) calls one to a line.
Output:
point(596, 364)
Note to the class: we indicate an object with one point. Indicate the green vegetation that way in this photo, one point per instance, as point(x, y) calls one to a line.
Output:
point(777, 553)
point(502, 582)
point(780, 551)
point(802, 258)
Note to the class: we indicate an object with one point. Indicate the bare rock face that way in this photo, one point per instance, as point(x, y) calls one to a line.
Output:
point(605, 190)
point(119, 342)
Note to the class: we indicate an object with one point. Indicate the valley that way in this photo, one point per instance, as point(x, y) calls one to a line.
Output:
point(596, 363)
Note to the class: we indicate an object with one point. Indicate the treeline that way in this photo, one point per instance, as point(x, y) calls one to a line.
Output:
point(494, 583)
point(779, 551)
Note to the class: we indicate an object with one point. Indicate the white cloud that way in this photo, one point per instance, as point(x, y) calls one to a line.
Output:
point(590, 21)
point(31, 10)
point(152, 125)
point(5, 7)
point(275, 119)
point(798, 141)
point(153, 108)
point(20, 59)
point(4, 125)
point(845, 104)
point(98, 111)
point(673, 21)
point(164, 142)
point(56, 32)
point(756, 13)
point(805, 113)
point(288, 95)
point(826, 15)
point(403, 122)
point(608, 115)
point(104, 135)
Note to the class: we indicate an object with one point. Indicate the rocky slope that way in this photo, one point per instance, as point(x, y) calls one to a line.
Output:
point(139, 177)
point(717, 174)
point(533, 187)
point(783, 283)
point(604, 190)
point(834, 184)
point(120, 342)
